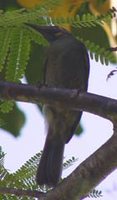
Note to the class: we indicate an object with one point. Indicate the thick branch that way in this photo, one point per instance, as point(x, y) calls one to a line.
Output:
point(71, 99)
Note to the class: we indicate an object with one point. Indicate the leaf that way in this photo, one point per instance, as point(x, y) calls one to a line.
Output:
point(13, 121)
point(18, 56)
point(6, 106)
point(79, 130)
point(5, 36)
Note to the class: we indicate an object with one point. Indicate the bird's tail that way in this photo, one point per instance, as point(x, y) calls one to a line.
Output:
point(50, 166)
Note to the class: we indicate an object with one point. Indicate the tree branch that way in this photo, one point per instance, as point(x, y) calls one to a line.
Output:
point(20, 192)
point(71, 99)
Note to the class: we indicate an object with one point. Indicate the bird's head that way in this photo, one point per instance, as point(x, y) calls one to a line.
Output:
point(51, 33)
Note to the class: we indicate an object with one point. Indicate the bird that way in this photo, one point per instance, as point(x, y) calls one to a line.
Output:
point(66, 66)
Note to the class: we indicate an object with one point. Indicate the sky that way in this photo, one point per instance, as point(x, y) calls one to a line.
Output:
point(96, 132)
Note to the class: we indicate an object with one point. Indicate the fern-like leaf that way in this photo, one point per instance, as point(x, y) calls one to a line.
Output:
point(86, 20)
point(95, 194)
point(99, 53)
point(4, 45)
point(23, 178)
point(35, 36)
point(69, 163)
point(18, 56)
point(3, 171)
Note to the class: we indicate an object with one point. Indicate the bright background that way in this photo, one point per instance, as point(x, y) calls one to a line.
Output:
point(96, 132)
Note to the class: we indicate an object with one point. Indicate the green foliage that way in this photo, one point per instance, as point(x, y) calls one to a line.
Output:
point(2, 154)
point(24, 178)
point(86, 20)
point(7, 120)
point(18, 55)
point(6, 106)
point(3, 171)
point(4, 45)
point(17, 37)
point(99, 53)
point(79, 130)
point(16, 40)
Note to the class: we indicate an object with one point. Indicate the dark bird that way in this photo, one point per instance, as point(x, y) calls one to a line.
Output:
point(66, 66)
